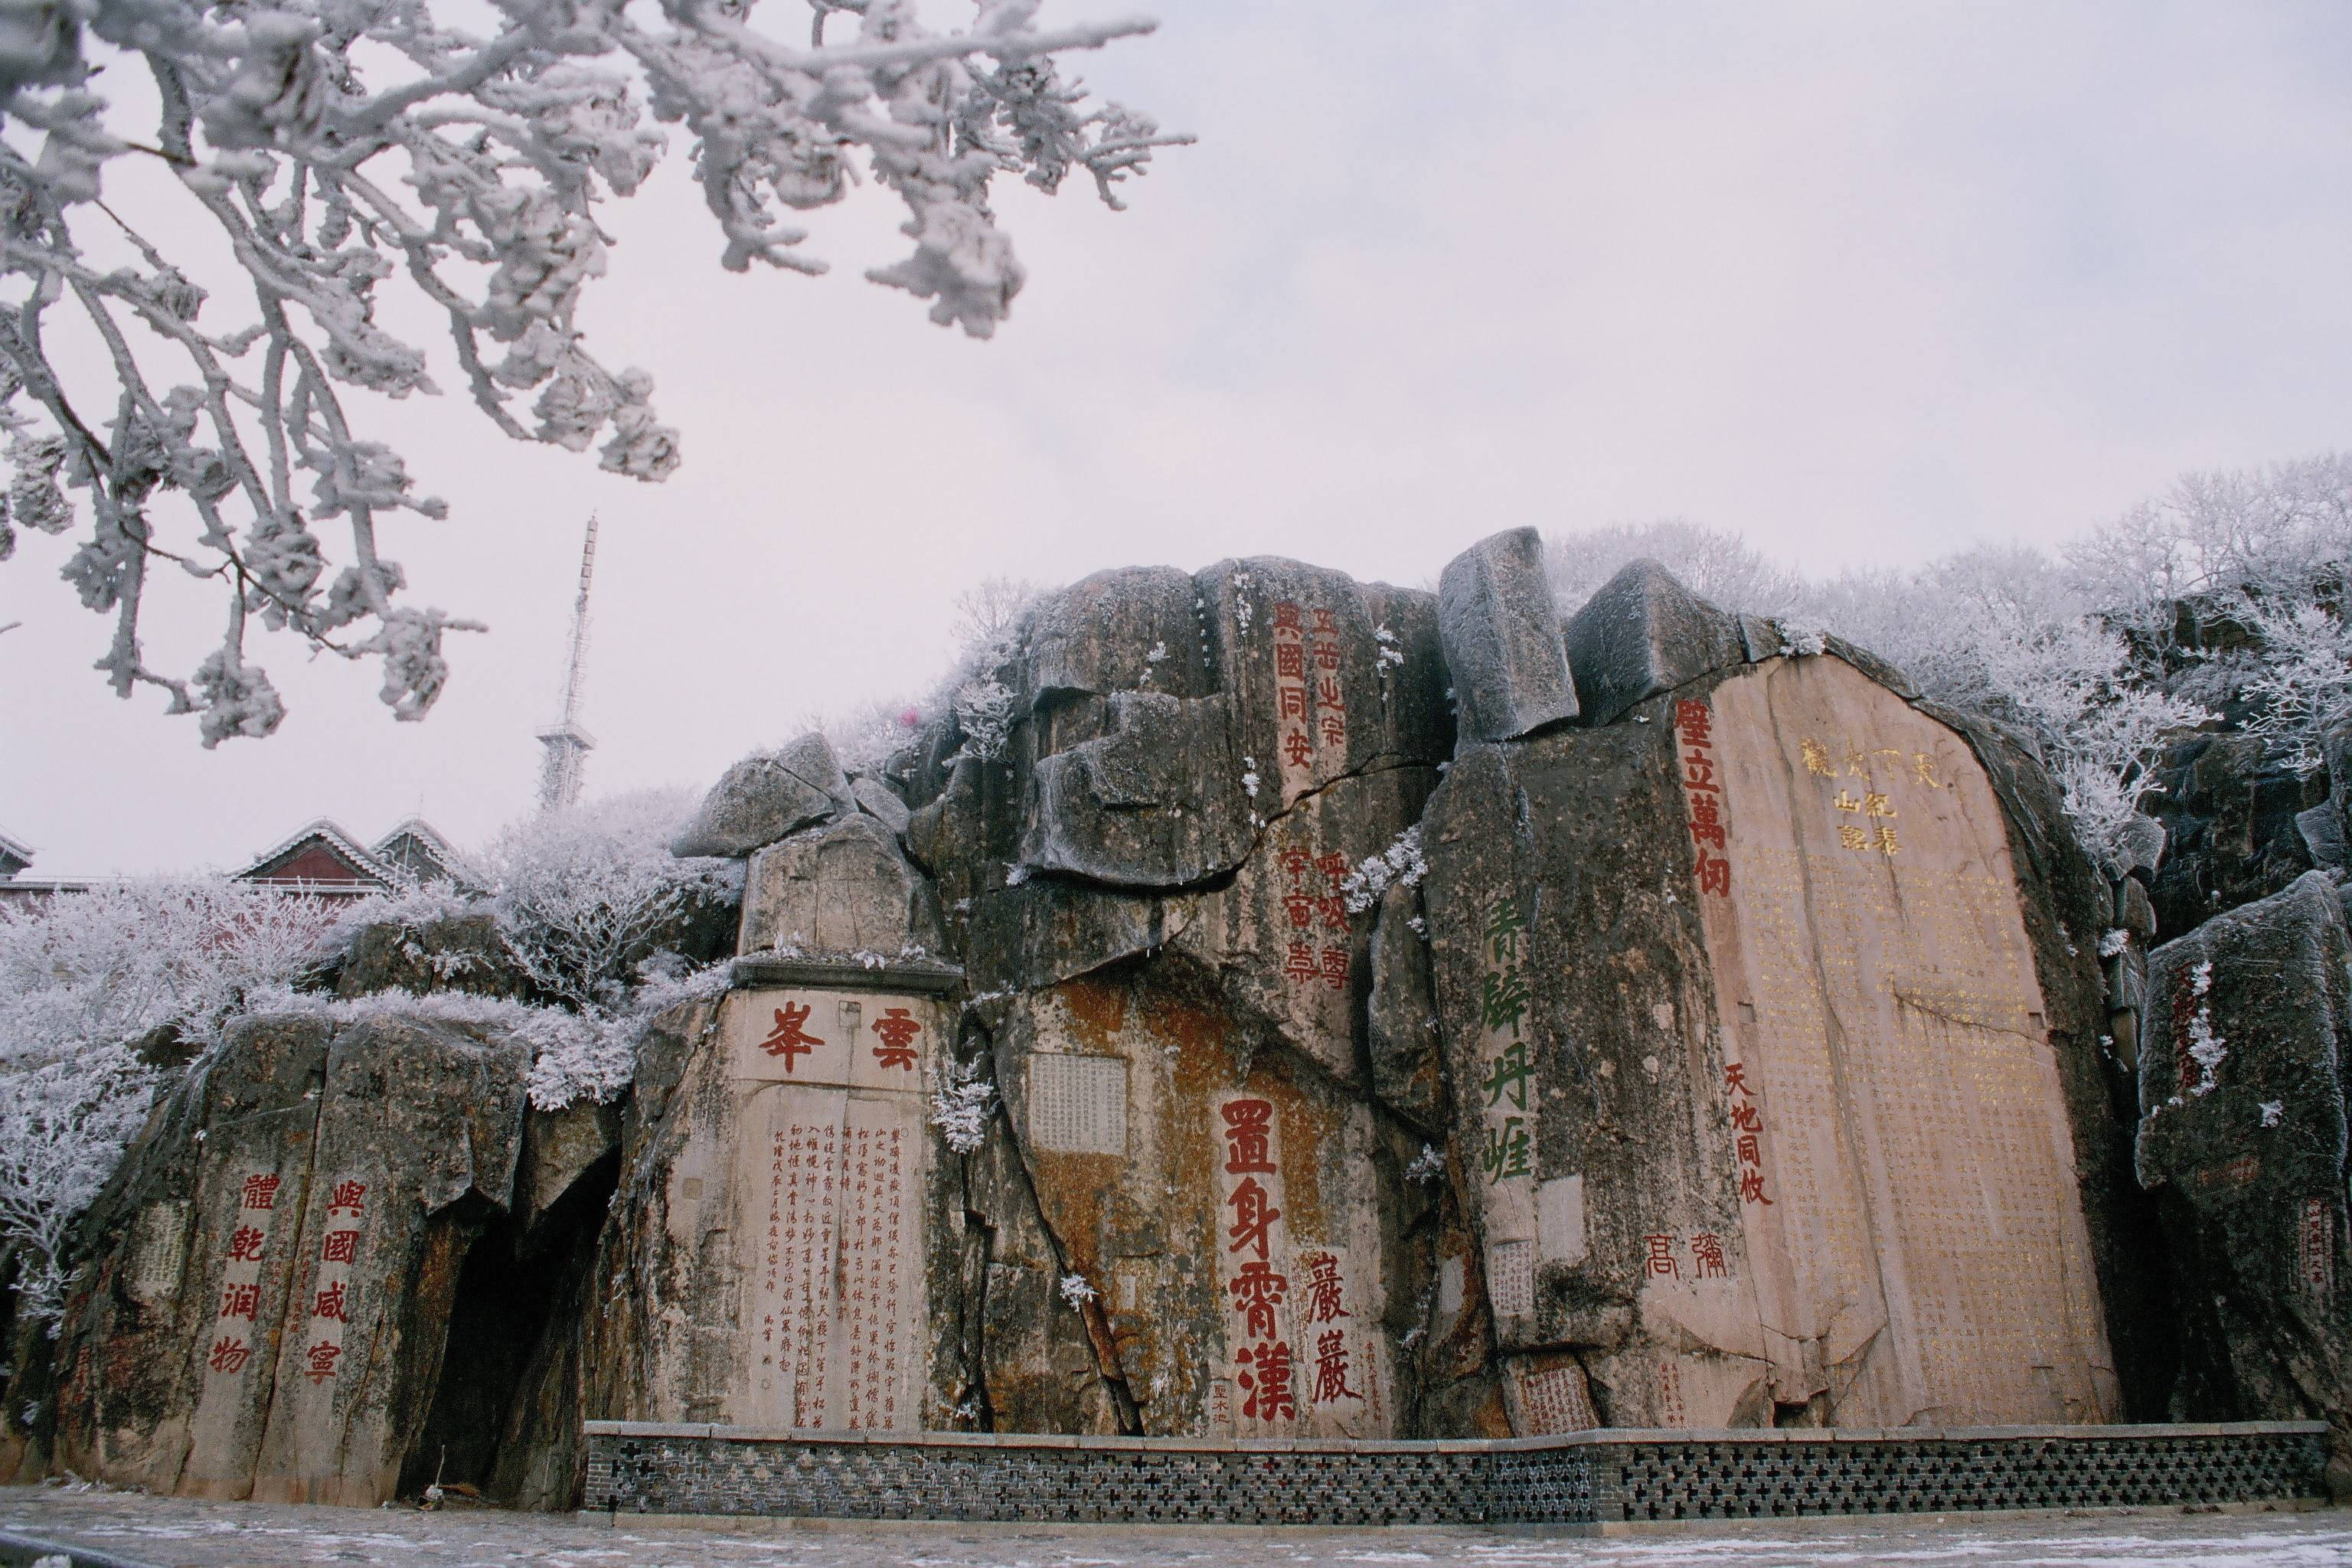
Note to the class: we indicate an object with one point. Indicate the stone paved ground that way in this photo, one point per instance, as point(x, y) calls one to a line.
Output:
point(218, 1535)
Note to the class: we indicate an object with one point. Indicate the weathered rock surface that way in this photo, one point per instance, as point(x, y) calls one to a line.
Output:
point(880, 802)
point(282, 1255)
point(2243, 1136)
point(463, 953)
point(1502, 637)
point(765, 796)
point(1156, 800)
point(2230, 815)
point(844, 888)
point(1644, 633)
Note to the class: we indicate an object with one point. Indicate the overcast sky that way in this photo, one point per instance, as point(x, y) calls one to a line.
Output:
point(1865, 282)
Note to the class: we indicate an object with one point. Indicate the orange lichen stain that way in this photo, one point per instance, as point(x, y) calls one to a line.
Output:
point(1491, 1419)
point(1079, 1193)
point(1313, 1131)
point(1096, 1010)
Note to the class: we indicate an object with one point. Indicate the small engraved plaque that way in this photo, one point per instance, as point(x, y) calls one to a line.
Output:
point(161, 1252)
point(1555, 1400)
point(1511, 1277)
point(1077, 1105)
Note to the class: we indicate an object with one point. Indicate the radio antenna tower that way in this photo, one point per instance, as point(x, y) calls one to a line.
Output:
point(567, 744)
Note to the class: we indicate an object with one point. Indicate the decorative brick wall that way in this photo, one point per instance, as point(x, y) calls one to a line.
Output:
point(1589, 1478)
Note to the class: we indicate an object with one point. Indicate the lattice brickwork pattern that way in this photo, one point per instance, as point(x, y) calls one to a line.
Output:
point(1587, 1479)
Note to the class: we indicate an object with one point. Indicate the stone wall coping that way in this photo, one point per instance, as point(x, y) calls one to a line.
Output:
point(1598, 1436)
point(926, 975)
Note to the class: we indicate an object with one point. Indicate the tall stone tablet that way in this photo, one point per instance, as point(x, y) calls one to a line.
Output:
point(1901, 1150)
point(1759, 1114)
point(830, 1161)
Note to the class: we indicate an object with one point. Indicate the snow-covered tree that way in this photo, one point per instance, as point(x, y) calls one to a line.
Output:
point(1713, 564)
point(314, 150)
point(83, 979)
point(2300, 680)
point(2281, 534)
point(587, 897)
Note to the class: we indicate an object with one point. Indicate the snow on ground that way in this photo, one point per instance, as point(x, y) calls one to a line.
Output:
point(176, 1534)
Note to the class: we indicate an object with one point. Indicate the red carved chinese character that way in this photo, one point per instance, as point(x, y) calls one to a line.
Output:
point(1746, 1118)
point(1335, 911)
point(329, 1303)
point(1335, 968)
point(1327, 694)
point(1752, 1187)
point(1326, 654)
point(1254, 1215)
point(240, 1301)
point(245, 1244)
point(1714, 875)
point(321, 1357)
point(1249, 1125)
point(1268, 1382)
point(1323, 1296)
point(1323, 627)
point(1301, 908)
point(1295, 862)
point(1301, 965)
point(1662, 1257)
point(1705, 823)
point(1335, 730)
point(1285, 614)
point(897, 1031)
point(1707, 1256)
point(1331, 1368)
point(1258, 1290)
point(261, 1192)
point(1735, 1078)
point(347, 1196)
point(1698, 773)
point(788, 1039)
point(1693, 720)
point(1296, 749)
point(228, 1354)
point(1749, 1152)
point(1290, 701)
point(1334, 865)
point(343, 1247)
point(1289, 661)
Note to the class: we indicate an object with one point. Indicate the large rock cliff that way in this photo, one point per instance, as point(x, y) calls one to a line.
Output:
point(1286, 1006)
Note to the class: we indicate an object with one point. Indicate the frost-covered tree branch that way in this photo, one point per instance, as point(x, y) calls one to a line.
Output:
point(322, 148)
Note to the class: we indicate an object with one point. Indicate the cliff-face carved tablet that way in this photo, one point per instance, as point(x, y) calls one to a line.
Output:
point(1759, 1114)
point(1908, 1199)
point(831, 1155)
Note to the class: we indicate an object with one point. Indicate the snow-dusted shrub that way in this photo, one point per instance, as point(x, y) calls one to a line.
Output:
point(984, 711)
point(63, 1127)
point(2280, 535)
point(2301, 679)
point(586, 896)
point(82, 977)
point(1713, 564)
point(988, 618)
point(1401, 863)
point(962, 1101)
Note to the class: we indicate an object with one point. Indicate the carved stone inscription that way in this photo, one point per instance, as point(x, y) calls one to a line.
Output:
point(1306, 1358)
point(1895, 1127)
point(1077, 1104)
point(830, 1163)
